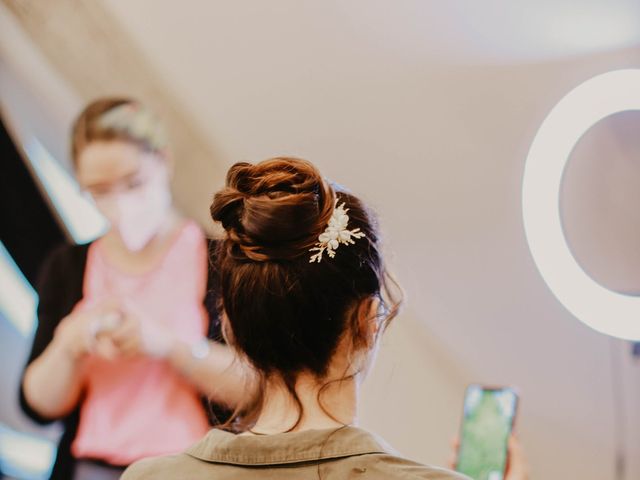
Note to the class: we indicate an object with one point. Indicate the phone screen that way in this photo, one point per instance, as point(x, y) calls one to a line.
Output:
point(486, 426)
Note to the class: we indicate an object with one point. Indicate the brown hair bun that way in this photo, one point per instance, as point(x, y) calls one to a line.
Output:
point(274, 210)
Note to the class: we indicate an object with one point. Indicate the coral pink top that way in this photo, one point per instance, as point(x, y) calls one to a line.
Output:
point(139, 407)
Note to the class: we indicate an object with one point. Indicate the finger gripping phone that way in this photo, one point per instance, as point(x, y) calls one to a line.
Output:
point(487, 422)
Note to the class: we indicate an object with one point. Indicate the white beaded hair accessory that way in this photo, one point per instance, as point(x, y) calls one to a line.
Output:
point(335, 234)
point(137, 121)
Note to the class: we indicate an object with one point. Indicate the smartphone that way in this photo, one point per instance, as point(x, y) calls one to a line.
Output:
point(487, 422)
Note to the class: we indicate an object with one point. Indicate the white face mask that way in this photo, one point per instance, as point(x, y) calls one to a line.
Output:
point(137, 215)
point(142, 215)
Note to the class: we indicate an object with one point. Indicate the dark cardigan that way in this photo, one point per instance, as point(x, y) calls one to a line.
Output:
point(60, 289)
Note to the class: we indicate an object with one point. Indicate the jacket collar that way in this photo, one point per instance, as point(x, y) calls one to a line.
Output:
point(285, 448)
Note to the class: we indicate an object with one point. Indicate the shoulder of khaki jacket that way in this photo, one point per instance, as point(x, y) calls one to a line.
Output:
point(157, 467)
point(390, 466)
point(375, 466)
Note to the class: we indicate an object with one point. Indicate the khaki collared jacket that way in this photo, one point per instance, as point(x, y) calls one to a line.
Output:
point(345, 453)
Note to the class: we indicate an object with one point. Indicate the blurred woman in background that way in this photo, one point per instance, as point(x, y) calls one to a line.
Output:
point(128, 338)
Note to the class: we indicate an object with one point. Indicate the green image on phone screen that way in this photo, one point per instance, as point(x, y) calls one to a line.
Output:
point(486, 427)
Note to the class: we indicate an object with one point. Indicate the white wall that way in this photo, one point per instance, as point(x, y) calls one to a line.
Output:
point(413, 396)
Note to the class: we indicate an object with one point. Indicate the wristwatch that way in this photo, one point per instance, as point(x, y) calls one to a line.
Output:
point(200, 349)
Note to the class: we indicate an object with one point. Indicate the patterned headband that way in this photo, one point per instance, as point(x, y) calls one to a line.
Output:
point(136, 121)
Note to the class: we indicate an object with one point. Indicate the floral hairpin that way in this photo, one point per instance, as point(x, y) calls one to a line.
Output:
point(335, 234)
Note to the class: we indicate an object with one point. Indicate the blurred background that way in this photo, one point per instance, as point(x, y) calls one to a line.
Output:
point(426, 109)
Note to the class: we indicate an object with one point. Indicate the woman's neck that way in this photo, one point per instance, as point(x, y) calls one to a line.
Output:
point(329, 407)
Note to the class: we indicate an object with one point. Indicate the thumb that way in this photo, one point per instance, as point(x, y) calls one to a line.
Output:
point(518, 468)
point(453, 456)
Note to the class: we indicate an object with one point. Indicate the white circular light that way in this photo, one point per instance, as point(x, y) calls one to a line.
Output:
point(602, 309)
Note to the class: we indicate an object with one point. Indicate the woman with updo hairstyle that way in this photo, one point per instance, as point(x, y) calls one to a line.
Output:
point(305, 297)
point(128, 350)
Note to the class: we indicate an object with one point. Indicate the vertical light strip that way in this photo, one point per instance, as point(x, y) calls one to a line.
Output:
point(25, 456)
point(18, 300)
point(77, 211)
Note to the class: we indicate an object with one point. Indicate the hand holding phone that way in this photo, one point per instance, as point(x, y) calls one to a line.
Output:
point(517, 466)
point(488, 418)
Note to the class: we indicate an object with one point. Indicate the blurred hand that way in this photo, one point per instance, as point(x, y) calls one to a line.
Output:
point(79, 333)
point(133, 336)
point(110, 329)
point(517, 467)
